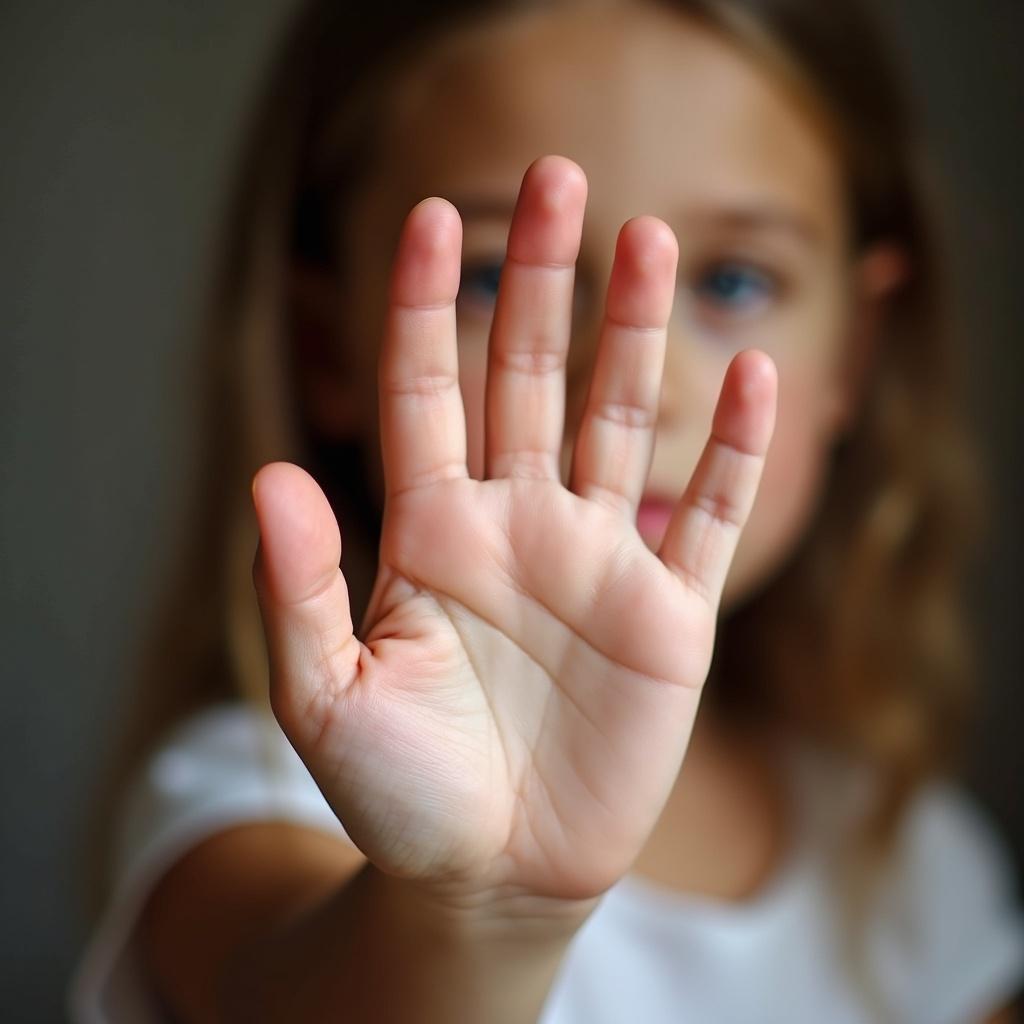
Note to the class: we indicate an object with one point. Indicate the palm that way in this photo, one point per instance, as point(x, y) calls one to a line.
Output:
point(530, 673)
point(539, 670)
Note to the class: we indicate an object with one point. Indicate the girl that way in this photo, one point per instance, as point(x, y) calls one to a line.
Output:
point(470, 808)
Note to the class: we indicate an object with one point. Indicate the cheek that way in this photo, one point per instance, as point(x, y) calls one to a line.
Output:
point(791, 484)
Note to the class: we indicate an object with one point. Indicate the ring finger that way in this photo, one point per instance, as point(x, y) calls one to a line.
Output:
point(612, 456)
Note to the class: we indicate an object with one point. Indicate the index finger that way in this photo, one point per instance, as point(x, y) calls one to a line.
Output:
point(422, 421)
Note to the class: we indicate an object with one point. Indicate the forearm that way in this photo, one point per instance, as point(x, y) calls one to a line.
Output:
point(374, 951)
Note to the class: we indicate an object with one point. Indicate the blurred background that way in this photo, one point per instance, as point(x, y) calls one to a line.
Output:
point(118, 121)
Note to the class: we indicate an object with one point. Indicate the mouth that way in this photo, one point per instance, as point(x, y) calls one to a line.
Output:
point(653, 515)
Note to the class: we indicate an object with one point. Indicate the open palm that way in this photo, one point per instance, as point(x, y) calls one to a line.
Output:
point(518, 709)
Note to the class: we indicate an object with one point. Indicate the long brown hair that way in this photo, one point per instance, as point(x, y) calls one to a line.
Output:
point(860, 640)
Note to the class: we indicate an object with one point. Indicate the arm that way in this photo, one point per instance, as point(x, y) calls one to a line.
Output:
point(275, 922)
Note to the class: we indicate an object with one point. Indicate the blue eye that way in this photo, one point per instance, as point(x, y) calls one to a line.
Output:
point(479, 283)
point(735, 287)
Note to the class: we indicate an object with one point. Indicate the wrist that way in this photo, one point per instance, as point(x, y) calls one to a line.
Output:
point(472, 954)
point(472, 914)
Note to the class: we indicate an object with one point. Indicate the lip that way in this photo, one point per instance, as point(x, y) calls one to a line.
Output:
point(653, 515)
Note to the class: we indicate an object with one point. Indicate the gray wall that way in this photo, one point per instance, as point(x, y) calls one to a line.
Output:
point(116, 119)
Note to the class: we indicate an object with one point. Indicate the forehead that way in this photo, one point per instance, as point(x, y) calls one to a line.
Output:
point(661, 112)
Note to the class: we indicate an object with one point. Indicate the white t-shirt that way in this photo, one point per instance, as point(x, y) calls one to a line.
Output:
point(946, 939)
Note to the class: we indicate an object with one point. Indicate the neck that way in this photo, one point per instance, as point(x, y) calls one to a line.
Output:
point(723, 830)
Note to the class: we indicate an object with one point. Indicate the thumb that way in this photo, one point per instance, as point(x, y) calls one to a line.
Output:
point(303, 598)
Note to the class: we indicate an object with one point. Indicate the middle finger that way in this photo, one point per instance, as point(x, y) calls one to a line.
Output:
point(525, 394)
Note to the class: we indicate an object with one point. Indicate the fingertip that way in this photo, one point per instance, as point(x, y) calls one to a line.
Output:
point(432, 227)
point(299, 538)
point(436, 210)
point(653, 233)
point(745, 413)
point(642, 286)
point(282, 490)
point(269, 478)
point(258, 485)
point(758, 370)
point(547, 225)
point(428, 260)
point(560, 179)
point(650, 246)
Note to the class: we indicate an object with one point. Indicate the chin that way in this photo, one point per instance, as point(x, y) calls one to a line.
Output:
point(748, 577)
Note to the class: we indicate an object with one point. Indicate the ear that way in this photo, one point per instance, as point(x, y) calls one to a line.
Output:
point(878, 274)
point(324, 377)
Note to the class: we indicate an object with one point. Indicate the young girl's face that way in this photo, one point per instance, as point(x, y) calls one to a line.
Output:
point(665, 118)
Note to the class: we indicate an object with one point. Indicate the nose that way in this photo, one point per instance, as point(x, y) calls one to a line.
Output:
point(671, 402)
point(579, 367)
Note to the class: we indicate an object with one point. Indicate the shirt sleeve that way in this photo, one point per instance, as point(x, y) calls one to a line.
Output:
point(227, 765)
point(964, 909)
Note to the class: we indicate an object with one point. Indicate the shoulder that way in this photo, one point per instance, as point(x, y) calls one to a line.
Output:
point(952, 905)
point(954, 866)
point(946, 834)
point(230, 762)
point(228, 765)
point(943, 832)
point(946, 928)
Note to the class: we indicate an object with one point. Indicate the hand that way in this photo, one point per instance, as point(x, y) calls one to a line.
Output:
point(517, 714)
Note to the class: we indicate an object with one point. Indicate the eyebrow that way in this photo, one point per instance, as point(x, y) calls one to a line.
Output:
point(751, 218)
point(756, 218)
